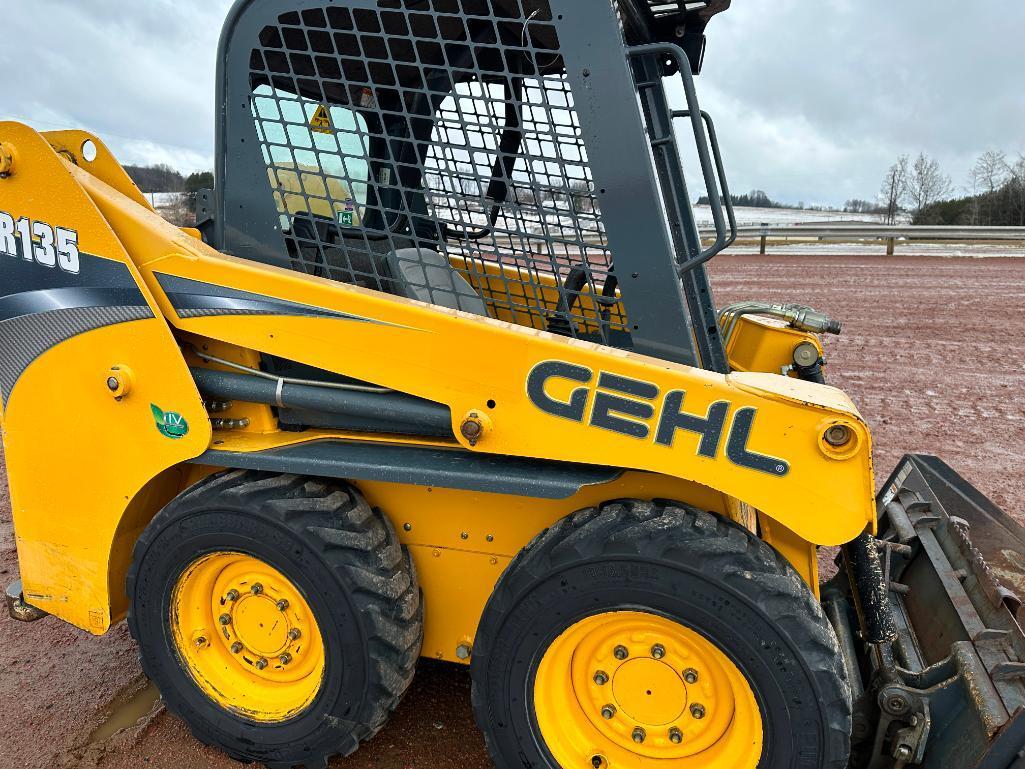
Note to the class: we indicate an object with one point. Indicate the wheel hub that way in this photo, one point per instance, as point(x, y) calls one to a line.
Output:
point(649, 692)
point(626, 687)
point(248, 636)
point(259, 626)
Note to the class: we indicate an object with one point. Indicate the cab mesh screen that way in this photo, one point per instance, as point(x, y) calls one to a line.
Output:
point(431, 149)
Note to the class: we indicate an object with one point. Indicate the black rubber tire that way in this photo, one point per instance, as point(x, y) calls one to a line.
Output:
point(695, 568)
point(345, 559)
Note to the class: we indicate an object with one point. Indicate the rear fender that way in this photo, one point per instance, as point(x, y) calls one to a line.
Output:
point(77, 452)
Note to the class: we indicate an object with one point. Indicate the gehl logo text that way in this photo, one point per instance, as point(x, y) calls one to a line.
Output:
point(628, 406)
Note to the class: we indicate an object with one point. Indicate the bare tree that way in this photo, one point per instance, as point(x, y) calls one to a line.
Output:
point(927, 184)
point(894, 188)
point(1017, 181)
point(989, 175)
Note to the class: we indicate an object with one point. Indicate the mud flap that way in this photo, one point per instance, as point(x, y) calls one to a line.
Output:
point(949, 691)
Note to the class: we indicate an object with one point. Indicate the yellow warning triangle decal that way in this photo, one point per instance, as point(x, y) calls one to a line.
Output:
point(321, 120)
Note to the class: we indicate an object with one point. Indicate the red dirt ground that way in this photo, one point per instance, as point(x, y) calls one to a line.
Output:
point(933, 353)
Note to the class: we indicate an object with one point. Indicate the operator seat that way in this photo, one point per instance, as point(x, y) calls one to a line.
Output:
point(414, 273)
point(426, 275)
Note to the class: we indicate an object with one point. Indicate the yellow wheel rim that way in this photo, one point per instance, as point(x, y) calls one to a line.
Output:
point(630, 689)
point(247, 637)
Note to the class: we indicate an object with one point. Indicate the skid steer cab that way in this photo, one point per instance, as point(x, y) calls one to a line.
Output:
point(439, 374)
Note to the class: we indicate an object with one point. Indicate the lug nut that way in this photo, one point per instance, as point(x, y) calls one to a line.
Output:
point(200, 642)
point(621, 653)
point(601, 678)
point(697, 710)
point(658, 651)
point(690, 675)
point(295, 634)
point(675, 736)
point(285, 659)
point(838, 436)
point(282, 604)
point(236, 648)
point(232, 596)
point(256, 589)
point(261, 664)
point(608, 712)
point(224, 619)
point(639, 735)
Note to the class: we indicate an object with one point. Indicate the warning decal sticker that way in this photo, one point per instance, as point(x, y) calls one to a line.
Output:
point(321, 121)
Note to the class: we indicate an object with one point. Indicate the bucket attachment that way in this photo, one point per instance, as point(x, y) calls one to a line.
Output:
point(928, 617)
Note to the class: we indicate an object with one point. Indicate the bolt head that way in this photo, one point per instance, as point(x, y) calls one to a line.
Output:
point(471, 429)
point(236, 648)
point(608, 712)
point(601, 678)
point(838, 436)
point(658, 651)
point(464, 536)
point(639, 735)
point(295, 634)
point(690, 675)
point(113, 384)
point(463, 652)
point(675, 736)
point(256, 589)
point(261, 664)
point(697, 710)
point(407, 527)
point(621, 653)
point(224, 619)
point(200, 642)
point(896, 704)
point(231, 596)
point(282, 605)
point(285, 659)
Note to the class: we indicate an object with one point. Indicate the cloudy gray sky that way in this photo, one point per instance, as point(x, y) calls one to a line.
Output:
point(813, 98)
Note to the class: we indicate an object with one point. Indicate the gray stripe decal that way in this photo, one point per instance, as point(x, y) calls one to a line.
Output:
point(48, 300)
point(20, 276)
point(26, 337)
point(195, 299)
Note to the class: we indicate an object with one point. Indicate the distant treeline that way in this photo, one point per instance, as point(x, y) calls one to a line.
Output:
point(163, 178)
point(1003, 207)
point(752, 199)
point(759, 199)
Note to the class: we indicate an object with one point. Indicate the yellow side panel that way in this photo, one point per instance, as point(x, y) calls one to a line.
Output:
point(462, 541)
point(77, 456)
point(482, 367)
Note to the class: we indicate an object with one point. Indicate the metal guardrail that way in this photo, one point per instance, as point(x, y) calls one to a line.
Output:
point(860, 231)
point(851, 231)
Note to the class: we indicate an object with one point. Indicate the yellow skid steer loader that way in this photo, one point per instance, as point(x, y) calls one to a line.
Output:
point(439, 373)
